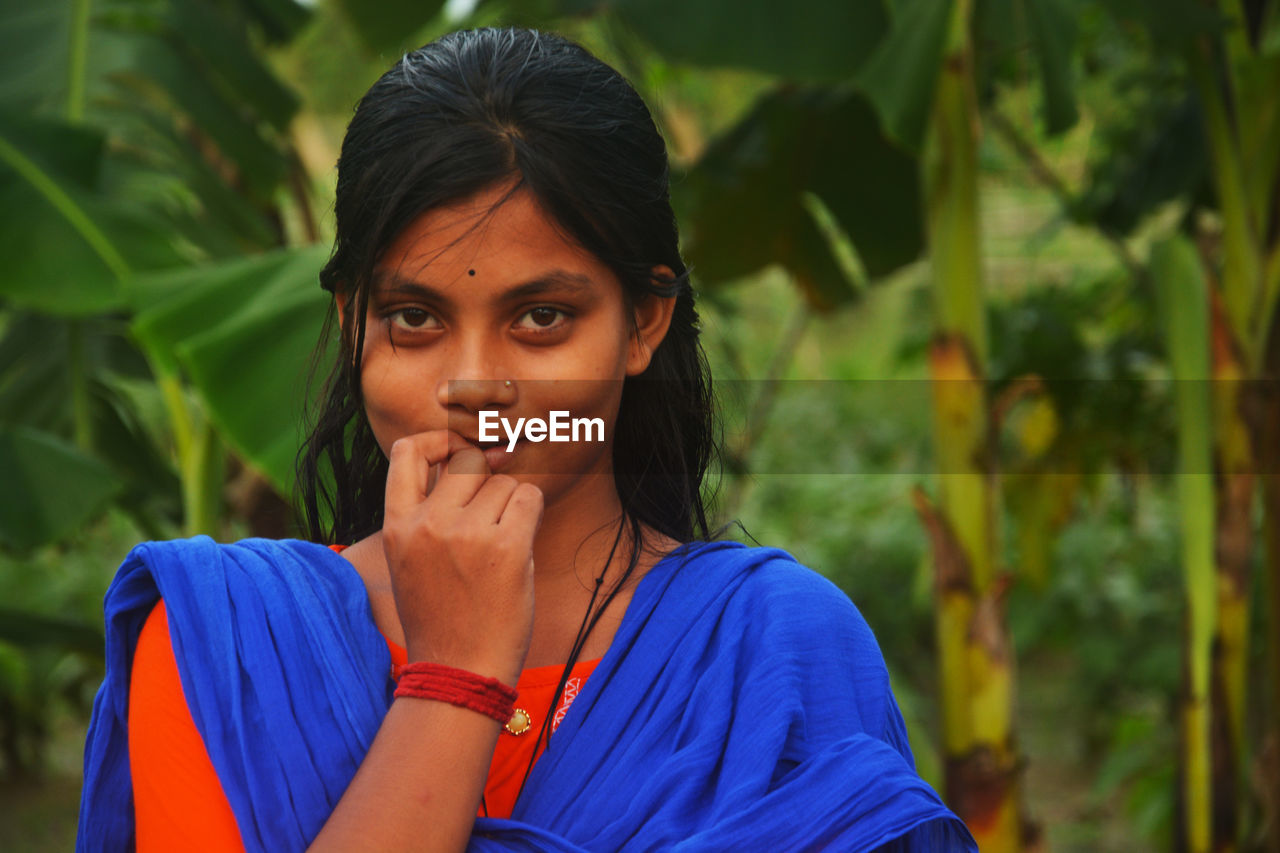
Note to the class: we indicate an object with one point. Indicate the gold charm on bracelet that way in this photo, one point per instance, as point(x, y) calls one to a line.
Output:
point(519, 723)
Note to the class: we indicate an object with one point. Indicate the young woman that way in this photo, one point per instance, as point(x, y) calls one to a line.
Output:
point(506, 250)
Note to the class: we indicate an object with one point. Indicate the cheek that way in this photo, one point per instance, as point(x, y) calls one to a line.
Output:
point(396, 401)
point(383, 420)
point(597, 398)
point(609, 351)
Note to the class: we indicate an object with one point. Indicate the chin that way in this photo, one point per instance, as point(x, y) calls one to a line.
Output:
point(559, 479)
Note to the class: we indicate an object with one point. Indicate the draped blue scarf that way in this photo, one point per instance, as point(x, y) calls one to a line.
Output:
point(743, 704)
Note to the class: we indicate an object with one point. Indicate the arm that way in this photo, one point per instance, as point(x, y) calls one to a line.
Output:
point(420, 784)
point(469, 605)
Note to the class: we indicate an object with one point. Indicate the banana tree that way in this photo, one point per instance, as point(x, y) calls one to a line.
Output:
point(134, 137)
point(975, 653)
point(1237, 75)
point(1207, 135)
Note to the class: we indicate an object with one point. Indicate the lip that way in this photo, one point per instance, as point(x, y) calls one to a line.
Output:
point(495, 455)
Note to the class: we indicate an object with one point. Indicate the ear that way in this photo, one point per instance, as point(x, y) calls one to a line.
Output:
point(653, 318)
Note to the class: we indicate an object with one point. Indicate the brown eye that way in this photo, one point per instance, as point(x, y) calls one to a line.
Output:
point(543, 316)
point(413, 318)
point(542, 319)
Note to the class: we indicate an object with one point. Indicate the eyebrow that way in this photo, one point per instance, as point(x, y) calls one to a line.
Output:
point(553, 281)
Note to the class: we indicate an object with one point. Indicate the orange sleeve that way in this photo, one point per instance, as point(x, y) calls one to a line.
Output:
point(178, 801)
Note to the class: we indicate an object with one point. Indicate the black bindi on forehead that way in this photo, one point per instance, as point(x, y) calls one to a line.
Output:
point(471, 272)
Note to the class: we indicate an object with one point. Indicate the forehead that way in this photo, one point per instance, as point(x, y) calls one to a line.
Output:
point(497, 237)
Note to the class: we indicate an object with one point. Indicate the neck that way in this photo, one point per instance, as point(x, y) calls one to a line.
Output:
point(574, 549)
point(578, 530)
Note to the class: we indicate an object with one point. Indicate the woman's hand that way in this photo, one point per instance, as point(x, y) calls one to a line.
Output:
point(459, 546)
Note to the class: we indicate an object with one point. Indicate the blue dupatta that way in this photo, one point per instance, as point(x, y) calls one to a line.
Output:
point(743, 704)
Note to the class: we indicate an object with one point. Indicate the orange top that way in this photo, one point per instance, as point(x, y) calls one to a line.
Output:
point(179, 803)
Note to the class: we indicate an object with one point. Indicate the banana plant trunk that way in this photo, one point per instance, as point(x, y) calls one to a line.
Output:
point(1184, 303)
point(1236, 81)
point(1267, 440)
point(1234, 541)
point(975, 657)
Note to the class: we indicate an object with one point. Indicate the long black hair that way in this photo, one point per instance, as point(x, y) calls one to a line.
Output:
point(473, 110)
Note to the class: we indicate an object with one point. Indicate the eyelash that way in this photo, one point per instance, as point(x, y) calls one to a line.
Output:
point(399, 314)
point(394, 317)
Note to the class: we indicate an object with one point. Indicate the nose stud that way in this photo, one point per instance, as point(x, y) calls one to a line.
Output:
point(507, 384)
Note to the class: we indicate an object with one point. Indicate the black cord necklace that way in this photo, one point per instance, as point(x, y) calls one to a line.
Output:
point(589, 621)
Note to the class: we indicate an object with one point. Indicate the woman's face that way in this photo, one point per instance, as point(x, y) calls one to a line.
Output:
point(481, 308)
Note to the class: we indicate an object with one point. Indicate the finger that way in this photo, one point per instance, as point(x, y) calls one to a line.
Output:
point(460, 479)
point(456, 443)
point(522, 514)
point(409, 464)
point(490, 501)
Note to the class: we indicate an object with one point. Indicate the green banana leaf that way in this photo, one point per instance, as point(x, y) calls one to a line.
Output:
point(243, 333)
point(742, 205)
point(62, 258)
point(51, 488)
point(391, 25)
point(815, 40)
point(902, 73)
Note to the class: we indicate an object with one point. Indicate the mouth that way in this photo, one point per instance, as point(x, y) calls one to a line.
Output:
point(495, 452)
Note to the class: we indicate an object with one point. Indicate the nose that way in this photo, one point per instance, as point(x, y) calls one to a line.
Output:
point(473, 395)
point(474, 379)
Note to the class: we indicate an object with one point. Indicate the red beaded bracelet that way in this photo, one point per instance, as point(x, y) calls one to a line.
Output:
point(458, 687)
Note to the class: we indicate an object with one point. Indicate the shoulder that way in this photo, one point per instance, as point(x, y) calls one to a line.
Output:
point(255, 598)
point(202, 562)
point(788, 623)
point(785, 583)
point(236, 610)
point(777, 594)
point(209, 587)
point(201, 548)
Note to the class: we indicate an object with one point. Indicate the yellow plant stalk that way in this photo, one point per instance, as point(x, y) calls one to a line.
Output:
point(1184, 304)
point(975, 658)
point(1236, 81)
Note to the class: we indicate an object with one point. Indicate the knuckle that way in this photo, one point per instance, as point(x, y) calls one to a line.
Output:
point(392, 537)
point(434, 526)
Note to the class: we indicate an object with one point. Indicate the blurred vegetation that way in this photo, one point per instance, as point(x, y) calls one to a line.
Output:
point(167, 170)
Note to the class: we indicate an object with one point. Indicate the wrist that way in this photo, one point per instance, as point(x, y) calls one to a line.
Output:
point(465, 689)
point(487, 666)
